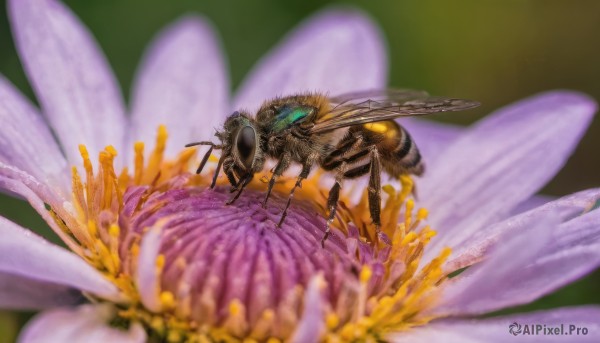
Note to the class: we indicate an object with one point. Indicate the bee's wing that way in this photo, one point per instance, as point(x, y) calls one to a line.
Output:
point(379, 95)
point(373, 106)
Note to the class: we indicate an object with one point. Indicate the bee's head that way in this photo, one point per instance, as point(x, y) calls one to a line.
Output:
point(241, 141)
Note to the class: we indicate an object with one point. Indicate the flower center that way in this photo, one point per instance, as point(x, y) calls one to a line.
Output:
point(193, 268)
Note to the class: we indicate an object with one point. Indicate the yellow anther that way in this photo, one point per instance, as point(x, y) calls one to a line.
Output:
point(389, 190)
point(386, 301)
point(77, 184)
point(434, 275)
point(174, 336)
point(92, 229)
point(135, 250)
point(167, 300)
point(407, 185)
point(332, 321)
point(412, 267)
point(213, 158)
point(273, 340)
point(445, 253)
point(365, 274)
point(162, 135)
point(156, 158)
point(410, 204)
point(409, 238)
point(160, 261)
point(430, 233)
point(111, 150)
point(235, 307)
point(157, 323)
point(181, 163)
point(268, 314)
point(138, 147)
point(84, 153)
point(347, 332)
point(422, 214)
point(114, 230)
point(437, 262)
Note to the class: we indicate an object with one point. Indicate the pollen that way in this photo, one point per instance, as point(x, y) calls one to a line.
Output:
point(365, 274)
point(167, 299)
point(247, 289)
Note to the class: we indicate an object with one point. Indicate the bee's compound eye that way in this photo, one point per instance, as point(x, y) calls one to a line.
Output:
point(246, 145)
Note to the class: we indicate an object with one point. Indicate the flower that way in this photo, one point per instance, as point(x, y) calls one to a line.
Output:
point(155, 255)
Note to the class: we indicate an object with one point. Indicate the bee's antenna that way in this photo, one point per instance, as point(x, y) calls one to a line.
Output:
point(199, 143)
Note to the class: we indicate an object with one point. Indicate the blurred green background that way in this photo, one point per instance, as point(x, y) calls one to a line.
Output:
point(493, 51)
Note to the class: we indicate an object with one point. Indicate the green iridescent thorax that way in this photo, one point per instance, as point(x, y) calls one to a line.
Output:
point(289, 115)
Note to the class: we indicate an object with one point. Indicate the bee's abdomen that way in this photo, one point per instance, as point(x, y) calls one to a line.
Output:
point(399, 152)
point(408, 155)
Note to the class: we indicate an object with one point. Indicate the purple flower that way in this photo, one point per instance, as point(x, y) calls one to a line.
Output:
point(156, 255)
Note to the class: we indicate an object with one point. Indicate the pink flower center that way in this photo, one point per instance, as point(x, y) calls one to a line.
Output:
point(192, 267)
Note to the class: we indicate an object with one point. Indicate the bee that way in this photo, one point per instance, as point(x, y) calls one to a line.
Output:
point(350, 135)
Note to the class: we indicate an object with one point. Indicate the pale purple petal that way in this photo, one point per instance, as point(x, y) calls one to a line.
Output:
point(502, 161)
point(336, 51)
point(312, 323)
point(476, 289)
point(496, 329)
point(26, 254)
point(182, 84)
point(531, 203)
point(147, 277)
point(469, 248)
point(21, 293)
point(20, 184)
point(527, 265)
point(17, 183)
point(86, 323)
point(73, 82)
point(431, 137)
point(26, 142)
point(582, 231)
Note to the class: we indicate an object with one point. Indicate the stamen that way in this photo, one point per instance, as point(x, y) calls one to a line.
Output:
point(410, 204)
point(114, 233)
point(89, 175)
point(409, 238)
point(364, 278)
point(236, 322)
point(139, 162)
point(156, 157)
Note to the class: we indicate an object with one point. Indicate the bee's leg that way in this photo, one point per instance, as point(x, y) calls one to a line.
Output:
point(242, 184)
point(303, 175)
point(204, 160)
point(281, 166)
point(206, 155)
point(214, 180)
point(231, 178)
point(332, 200)
point(374, 191)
